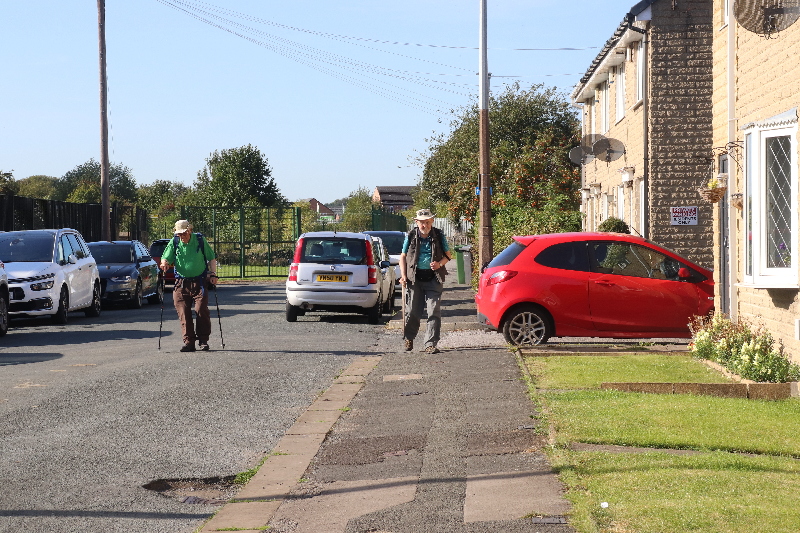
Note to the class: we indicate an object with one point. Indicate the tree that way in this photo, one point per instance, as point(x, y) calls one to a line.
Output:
point(532, 132)
point(120, 180)
point(38, 186)
point(358, 211)
point(161, 197)
point(7, 183)
point(238, 176)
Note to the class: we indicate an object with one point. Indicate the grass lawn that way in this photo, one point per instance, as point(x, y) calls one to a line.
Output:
point(711, 490)
point(662, 493)
point(588, 372)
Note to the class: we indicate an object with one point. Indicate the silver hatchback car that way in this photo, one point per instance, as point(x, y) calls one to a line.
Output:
point(337, 271)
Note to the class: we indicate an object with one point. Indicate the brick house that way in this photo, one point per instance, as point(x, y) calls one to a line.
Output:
point(394, 199)
point(755, 100)
point(646, 101)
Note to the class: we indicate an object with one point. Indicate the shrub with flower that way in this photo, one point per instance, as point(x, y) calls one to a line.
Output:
point(748, 352)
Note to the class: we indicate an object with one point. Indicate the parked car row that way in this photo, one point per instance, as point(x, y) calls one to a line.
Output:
point(51, 272)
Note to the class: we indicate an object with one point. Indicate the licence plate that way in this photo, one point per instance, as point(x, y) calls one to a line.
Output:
point(332, 277)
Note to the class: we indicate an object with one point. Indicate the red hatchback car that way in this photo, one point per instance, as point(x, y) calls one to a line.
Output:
point(591, 285)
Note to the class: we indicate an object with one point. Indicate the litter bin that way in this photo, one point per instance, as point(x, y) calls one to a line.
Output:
point(463, 257)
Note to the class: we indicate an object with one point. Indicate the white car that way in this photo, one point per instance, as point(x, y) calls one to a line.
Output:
point(3, 300)
point(336, 271)
point(393, 241)
point(50, 272)
point(389, 275)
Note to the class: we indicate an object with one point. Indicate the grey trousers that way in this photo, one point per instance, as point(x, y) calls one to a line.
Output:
point(427, 295)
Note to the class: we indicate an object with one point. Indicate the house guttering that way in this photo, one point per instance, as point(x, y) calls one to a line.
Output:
point(630, 30)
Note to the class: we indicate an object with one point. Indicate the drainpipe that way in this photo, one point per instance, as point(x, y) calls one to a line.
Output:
point(646, 139)
point(733, 241)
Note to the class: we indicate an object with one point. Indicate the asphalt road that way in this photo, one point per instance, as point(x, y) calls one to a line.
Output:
point(92, 411)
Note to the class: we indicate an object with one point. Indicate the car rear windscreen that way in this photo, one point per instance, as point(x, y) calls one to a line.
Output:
point(157, 248)
point(334, 250)
point(506, 256)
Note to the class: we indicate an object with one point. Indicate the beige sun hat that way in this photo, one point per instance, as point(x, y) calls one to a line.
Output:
point(182, 226)
point(424, 214)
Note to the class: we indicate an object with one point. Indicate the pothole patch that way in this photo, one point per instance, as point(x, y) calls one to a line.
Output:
point(200, 491)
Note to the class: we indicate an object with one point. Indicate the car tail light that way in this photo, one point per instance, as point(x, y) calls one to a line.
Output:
point(298, 255)
point(373, 269)
point(501, 276)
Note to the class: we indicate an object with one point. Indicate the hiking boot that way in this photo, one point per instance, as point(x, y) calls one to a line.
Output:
point(188, 348)
point(431, 349)
point(204, 347)
point(408, 344)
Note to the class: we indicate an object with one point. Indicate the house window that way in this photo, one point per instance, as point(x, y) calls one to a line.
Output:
point(640, 70)
point(621, 202)
point(590, 116)
point(619, 80)
point(771, 234)
point(605, 106)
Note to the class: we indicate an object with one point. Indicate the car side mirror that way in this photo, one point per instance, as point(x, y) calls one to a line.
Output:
point(385, 264)
point(684, 273)
point(72, 259)
point(145, 258)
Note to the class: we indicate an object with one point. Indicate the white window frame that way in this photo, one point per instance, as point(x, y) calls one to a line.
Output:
point(590, 130)
point(621, 202)
point(605, 206)
point(619, 81)
point(605, 107)
point(641, 65)
point(757, 272)
point(725, 12)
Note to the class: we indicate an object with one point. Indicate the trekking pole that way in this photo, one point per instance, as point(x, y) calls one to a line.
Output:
point(219, 318)
point(161, 325)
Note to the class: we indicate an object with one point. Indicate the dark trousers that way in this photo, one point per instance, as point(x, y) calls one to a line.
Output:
point(190, 293)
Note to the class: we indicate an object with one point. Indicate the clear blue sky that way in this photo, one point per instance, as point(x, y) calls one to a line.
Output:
point(338, 102)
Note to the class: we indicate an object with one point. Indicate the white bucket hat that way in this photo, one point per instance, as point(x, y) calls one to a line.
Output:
point(182, 226)
point(424, 214)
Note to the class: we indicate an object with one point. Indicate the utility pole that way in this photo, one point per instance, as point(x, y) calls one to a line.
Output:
point(484, 183)
point(104, 187)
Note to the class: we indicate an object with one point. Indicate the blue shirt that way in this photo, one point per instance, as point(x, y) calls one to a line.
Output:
point(425, 255)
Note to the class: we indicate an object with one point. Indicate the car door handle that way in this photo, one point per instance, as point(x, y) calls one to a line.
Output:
point(605, 282)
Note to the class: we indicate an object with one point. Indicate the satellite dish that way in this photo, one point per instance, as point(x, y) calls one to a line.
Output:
point(608, 150)
point(579, 156)
point(587, 141)
point(766, 17)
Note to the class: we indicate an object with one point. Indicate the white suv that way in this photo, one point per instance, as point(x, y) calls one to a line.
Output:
point(336, 271)
point(51, 272)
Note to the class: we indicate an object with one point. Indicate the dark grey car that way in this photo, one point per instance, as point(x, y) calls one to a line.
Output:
point(127, 273)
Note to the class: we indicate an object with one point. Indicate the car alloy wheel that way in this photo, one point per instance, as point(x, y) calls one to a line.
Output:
point(527, 326)
point(158, 297)
point(60, 317)
point(136, 299)
point(3, 314)
point(94, 308)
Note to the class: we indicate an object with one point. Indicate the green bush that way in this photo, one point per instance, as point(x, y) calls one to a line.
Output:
point(614, 225)
point(747, 352)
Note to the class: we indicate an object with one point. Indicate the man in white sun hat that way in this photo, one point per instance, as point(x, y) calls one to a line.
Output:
point(195, 264)
point(425, 252)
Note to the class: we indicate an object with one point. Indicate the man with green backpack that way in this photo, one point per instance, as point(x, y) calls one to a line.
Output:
point(195, 267)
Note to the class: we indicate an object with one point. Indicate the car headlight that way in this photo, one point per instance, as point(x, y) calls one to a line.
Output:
point(121, 279)
point(42, 285)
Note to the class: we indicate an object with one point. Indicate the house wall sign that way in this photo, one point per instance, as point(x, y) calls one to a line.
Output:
point(683, 216)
